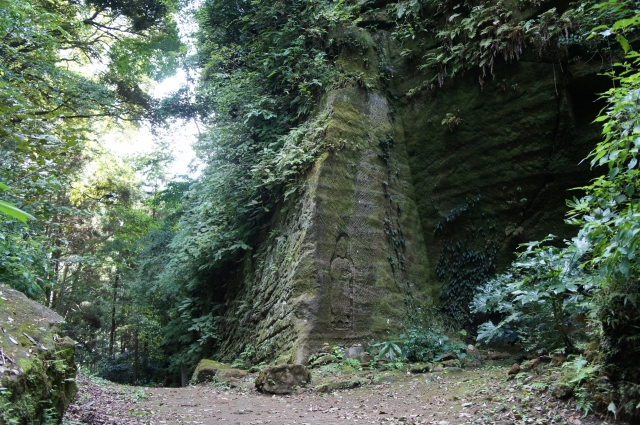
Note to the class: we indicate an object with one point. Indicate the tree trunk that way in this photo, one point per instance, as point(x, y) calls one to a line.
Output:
point(184, 376)
point(55, 255)
point(57, 295)
point(135, 356)
point(112, 332)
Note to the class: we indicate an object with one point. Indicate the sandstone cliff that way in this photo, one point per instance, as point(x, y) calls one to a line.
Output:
point(425, 193)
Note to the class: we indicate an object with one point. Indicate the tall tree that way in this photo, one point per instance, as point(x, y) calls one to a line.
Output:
point(64, 64)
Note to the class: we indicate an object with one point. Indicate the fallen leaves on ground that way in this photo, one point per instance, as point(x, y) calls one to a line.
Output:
point(481, 396)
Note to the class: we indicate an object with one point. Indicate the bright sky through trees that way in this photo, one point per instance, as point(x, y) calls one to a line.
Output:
point(179, 137)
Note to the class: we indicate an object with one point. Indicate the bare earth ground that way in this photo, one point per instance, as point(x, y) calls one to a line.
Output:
point(480, 396)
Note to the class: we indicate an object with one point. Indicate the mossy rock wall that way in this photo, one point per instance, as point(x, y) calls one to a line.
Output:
point(346, 262)
point(37, 370)
point(404, 212)
point(501, 175)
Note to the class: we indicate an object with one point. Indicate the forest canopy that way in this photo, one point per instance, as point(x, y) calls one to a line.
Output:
point(67, 70)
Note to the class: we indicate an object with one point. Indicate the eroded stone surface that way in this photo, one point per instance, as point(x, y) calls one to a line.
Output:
point(283, 379)
point(349, 257)
point(37, 367)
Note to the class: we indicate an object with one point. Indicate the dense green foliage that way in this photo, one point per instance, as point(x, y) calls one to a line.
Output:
point(476, 37)
point(588, 291)
point(539, 298)
point(429, 344)
point(67, 70)
point(263, 67)
point(45, 107)
point(141, 268)
point(135, 266)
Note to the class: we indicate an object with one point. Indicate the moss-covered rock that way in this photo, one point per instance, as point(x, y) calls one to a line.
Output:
point(283, 379)
point(37, 367)
point(210, 370)
point(421, 367)
point(323, 360)
point(347, 384)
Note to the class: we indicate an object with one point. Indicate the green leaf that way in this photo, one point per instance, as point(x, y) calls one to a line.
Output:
point(630, 190)
point(621, 198)
point(624, 267)
point(242, 245)
point(614, 172)
point(14, 212)
point(625, 23)
point(623, 42)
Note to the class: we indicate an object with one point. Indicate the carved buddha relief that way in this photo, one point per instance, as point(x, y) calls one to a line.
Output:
point(341, 292)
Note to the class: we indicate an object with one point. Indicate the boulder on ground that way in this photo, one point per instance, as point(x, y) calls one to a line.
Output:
point(37, 367)
point(366, 358)
point(210, 370)
point(532, 364)
point(450, 363)
point(355, 351)
point(473, 359)
point(558, 359)
point(449, 356)
point(562, 390)
point(358, 353)
point(282, 379)
point(498, 356)
point(323, 360)
point(338, 385)
point(421, 367)
point(515, 369)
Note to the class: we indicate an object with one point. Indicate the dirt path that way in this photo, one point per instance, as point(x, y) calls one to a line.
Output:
point(481, 396)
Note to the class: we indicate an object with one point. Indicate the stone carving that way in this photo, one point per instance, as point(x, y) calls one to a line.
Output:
point(341, 293)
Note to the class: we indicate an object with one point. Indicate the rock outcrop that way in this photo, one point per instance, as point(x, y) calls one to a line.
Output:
point(37, 367)
point(425, 193)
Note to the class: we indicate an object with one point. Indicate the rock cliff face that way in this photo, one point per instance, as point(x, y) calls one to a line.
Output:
point(37, 367)
point(425, 193)
point(345, 261)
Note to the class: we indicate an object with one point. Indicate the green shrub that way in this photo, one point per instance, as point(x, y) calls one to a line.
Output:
point(353, 363)
point(548, 290)
point(388, 349)
point(540, 298)
point(428, 345)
